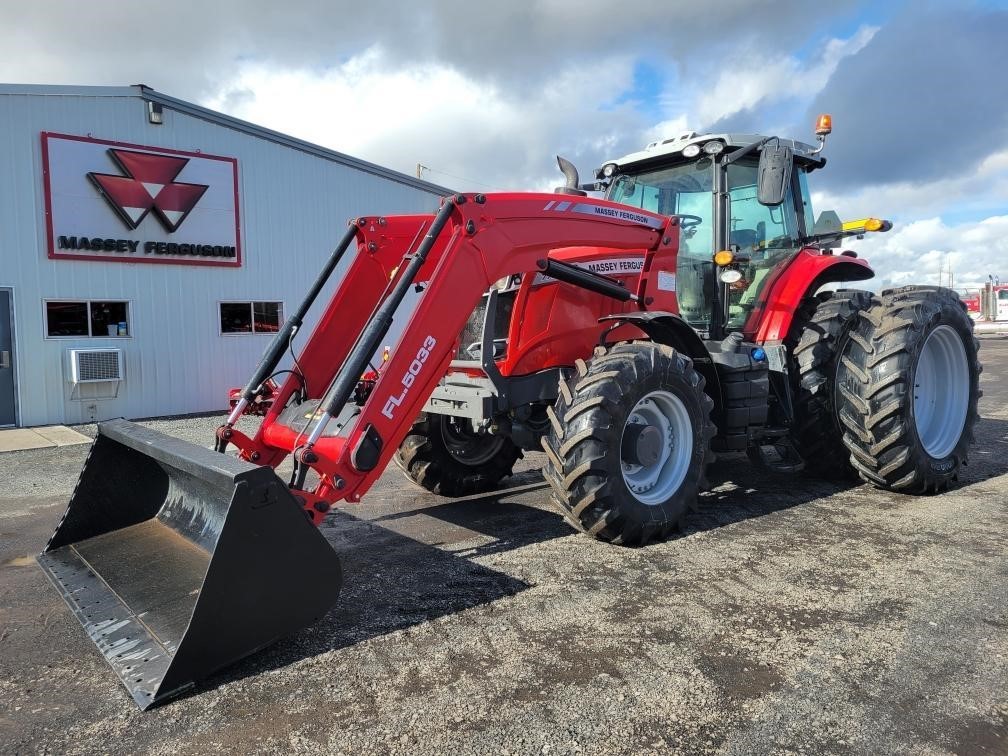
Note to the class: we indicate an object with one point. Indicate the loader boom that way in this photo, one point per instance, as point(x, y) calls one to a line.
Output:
point(473, 241)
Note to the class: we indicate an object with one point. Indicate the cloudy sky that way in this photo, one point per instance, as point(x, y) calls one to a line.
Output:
point(485, 94)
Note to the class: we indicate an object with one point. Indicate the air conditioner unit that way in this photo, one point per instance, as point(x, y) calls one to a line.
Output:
point(95, 365)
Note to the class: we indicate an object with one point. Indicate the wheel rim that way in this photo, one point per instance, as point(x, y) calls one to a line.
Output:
point(941, 392)
point(655, 483)
point(466, 445)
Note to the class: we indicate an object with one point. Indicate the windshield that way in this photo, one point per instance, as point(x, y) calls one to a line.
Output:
point(680, 190)
point(762, 237)
point(687, 191)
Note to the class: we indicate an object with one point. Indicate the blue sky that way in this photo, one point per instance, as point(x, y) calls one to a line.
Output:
point(486, 94)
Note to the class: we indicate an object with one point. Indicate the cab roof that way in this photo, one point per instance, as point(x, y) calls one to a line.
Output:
point(673, 147)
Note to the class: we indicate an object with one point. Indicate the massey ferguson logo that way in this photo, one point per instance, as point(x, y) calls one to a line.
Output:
point(148, 184)
point(173, 206)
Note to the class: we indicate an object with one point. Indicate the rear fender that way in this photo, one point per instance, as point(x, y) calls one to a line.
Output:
point(808, 270)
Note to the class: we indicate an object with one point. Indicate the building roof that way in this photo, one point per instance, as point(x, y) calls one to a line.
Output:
point(145, 93)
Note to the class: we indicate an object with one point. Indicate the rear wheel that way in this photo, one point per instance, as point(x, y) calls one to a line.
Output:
point(818, 336)
point(447, 456)
point(629, 442)
point(909, 386)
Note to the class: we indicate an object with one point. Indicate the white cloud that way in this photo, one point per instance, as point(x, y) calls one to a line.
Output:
point(668, 128)
point(922, 252)
point(486, 100)
point(479, 136)
point(473, 135)
point(978, 192)
point(762, 74)
point(952, 223)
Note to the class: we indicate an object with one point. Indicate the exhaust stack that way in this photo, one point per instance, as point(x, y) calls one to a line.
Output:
point(571, 180)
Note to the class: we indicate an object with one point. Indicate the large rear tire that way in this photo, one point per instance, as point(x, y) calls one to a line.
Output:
point(446, 456)
point(908, 389)
point(821, 329)
point(629, 443)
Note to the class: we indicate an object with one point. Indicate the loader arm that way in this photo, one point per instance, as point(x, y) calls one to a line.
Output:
point(472, 242)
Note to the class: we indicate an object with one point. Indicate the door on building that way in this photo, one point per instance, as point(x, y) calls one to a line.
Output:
point(7, 384)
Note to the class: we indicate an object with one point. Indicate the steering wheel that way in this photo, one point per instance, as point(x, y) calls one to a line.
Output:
point(687, 221)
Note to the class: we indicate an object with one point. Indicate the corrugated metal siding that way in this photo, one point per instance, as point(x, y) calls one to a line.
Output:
point(293, 206)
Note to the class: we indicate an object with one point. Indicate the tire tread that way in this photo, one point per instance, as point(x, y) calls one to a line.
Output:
point(579, 460)
point(876, 391)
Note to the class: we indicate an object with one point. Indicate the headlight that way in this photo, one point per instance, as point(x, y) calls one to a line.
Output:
point(713, 147)
point(608, 170)
point(691, 150)
point(730, 276)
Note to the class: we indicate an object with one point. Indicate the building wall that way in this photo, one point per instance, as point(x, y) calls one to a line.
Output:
point(293, 208)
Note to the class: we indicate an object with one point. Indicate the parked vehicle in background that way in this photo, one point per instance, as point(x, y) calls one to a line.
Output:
point(973, 299)
point(1002, 302)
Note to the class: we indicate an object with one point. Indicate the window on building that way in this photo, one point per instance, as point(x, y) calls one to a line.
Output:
point(251, 317)
point(266, 316)
point(95, 319)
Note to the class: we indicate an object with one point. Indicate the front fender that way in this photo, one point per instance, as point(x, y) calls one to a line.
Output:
point(771, 318)
point(671, 330)
point(665, 328)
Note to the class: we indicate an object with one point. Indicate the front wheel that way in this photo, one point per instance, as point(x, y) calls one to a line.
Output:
point(908, 387)
point(629, 442)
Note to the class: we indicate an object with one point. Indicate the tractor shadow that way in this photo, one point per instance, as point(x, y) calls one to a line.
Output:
point(406, 568)
point(408, 556)
point(742, 491)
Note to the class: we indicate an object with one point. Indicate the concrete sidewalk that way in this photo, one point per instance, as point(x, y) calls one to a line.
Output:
point(987, 327)
point(43, 437)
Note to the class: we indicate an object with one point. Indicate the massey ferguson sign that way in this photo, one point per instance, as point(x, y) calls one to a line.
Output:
point(114, 201)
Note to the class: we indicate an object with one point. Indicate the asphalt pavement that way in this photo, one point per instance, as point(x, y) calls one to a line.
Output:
point(790, 616)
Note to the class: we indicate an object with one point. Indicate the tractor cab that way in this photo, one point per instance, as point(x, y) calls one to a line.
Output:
point(742, 196)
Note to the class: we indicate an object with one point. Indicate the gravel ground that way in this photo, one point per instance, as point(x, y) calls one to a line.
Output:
point(791, 616)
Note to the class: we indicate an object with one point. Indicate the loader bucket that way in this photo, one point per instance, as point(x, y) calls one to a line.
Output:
point(178, 560)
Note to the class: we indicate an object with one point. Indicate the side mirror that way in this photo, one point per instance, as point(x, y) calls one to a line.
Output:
point(774, 176)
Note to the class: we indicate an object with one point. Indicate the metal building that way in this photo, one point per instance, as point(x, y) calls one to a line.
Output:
point(150, 247)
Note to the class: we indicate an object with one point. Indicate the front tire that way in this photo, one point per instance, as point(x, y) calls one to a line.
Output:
point(629, 442)
point(909, 386)
point(444, 455)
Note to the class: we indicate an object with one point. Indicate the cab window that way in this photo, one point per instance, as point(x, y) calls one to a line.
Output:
point(756, 227)
point(765, 238)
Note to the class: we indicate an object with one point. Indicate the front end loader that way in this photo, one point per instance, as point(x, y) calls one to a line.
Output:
point(629, 338)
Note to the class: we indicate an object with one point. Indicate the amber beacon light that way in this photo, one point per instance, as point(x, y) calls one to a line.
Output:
point(824, 124)
point(723, 257)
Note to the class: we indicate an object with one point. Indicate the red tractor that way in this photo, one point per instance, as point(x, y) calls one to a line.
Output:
point(690, 312)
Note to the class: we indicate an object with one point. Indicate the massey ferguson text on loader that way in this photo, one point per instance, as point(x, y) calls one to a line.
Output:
point(629, 338)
